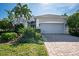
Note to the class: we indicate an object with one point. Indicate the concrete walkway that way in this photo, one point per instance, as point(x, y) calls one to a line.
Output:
point(61, 45)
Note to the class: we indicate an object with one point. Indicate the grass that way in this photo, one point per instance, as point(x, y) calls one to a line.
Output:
point(26, 49)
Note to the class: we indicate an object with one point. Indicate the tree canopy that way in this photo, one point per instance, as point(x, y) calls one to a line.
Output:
point(73, 23)
point(18, 11)
point(73, 20)
point(22, 9)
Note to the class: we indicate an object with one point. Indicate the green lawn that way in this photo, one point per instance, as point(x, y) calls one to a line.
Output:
point(23, 49)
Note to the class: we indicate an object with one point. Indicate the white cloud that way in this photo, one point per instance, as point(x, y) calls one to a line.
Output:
point(54, 8)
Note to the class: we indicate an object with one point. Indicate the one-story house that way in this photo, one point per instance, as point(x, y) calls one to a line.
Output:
point(47, 23)
point(50, 23)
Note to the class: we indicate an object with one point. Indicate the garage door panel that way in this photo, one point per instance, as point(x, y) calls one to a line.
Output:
point(52, 27)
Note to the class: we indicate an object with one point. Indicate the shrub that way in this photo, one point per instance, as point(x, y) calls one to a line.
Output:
point(38, 36)
point(73, 31)
point(5, 37)
point(19, 26)
point(6, 25)
point(0, 38)
point(20, 29)
point(30, 32)
point(33, 33)
point(38, 30)
point(28, 35)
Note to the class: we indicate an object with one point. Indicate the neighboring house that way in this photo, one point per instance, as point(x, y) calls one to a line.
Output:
point(52, 23)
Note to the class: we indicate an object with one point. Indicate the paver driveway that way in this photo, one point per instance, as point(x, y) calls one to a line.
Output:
point(61, 45)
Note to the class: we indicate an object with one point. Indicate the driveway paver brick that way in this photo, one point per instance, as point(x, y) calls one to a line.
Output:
point(61, 45)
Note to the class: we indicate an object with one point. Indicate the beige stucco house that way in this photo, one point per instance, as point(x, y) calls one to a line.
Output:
point(47, 23)
point(50, 23)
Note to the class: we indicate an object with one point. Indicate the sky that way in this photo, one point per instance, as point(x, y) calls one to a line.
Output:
point(42, 8)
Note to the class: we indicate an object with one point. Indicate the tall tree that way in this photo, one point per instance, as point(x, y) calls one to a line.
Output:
point(22, 9)
point(73, 23)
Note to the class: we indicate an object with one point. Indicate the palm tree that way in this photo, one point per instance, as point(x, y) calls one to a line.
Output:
point(20, 10)
point(10, 15)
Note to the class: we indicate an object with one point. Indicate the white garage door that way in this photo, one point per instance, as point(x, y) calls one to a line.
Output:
point(52, 27)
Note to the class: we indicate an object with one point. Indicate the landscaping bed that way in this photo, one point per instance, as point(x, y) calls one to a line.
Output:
point(25, 46)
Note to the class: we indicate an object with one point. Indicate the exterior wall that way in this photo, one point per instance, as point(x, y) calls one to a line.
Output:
point(37, 24)
point(67, 30)
point(49, 20)
point(52, 20)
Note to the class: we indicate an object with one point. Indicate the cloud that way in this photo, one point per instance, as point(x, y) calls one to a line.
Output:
point(53, 8)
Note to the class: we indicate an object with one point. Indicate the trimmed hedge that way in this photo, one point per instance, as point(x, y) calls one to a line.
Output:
point(5, 37)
